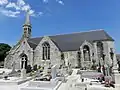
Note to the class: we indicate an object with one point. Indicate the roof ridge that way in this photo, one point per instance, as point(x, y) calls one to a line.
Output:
point(73, 40)
point(96, 30)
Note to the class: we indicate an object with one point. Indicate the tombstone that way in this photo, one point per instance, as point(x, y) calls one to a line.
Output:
point(23, 71)
point(13, 67)
point(116, 76)
point(80, 75)
point(45, 71)
point(5, 76)
point(53, 71)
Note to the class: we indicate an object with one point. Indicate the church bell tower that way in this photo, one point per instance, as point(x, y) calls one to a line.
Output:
point(27, 26)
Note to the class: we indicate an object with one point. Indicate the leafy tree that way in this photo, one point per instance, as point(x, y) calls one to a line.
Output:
point(3, 49)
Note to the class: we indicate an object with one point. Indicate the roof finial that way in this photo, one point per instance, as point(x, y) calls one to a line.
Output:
point(27, 21)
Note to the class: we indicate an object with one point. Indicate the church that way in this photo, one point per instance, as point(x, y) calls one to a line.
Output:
point(77, 50)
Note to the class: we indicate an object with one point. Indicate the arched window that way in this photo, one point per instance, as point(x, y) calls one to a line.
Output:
point(100, 49)
point(86, 52)
point(79, 58)
point(62, 56)
point(46, 51)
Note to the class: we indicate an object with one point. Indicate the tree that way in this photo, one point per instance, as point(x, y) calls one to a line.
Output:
point(4, 48)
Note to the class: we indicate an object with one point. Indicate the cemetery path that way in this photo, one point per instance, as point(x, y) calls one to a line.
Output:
point(74, 72)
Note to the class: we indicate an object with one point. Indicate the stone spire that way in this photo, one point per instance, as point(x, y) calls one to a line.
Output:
point(27, 26)
point(27, 21)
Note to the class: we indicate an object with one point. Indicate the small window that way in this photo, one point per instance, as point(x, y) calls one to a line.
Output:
point(62, 56)
point(29, 29)
point(25, 28)
point(79, 55)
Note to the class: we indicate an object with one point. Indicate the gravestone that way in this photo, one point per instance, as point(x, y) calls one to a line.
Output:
point(45, 71)
point(116, 78)
point(53, 71)
point(13, 69)
point(13, 66)
point(5, 76)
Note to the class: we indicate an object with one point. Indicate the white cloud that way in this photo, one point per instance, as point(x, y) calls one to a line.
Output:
point(61, 2)
point(26, 7)
point(40, 13)
point(20, 2)
point(20, 6)
point(9, 13)
point(12, 5)
point(31, 12)
point(45, 1)
point(3, 2)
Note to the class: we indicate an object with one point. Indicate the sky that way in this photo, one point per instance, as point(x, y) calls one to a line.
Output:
point(51, 17)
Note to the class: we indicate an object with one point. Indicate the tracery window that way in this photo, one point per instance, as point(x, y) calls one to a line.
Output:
point(79, 58)
point(86, 52)
point(46, 51)
point(100, 49)
point(62, 56)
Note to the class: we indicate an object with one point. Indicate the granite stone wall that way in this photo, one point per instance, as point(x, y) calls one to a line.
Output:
point(55, 53)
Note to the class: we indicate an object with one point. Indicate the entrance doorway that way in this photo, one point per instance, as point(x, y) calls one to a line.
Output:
point(24, 59)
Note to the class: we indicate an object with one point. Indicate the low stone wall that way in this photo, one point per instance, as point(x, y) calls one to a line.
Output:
point(42, 85)
point(14, 82)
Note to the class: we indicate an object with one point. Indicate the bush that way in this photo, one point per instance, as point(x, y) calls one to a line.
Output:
point(35, 67)
point(39, 67)
point(93, 67)
point(28, 69)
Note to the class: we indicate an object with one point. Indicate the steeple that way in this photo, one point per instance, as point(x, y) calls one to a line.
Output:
point(27, 21)
point(27, 26)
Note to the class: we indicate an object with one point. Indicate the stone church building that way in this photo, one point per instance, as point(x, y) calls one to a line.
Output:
point(81, 50)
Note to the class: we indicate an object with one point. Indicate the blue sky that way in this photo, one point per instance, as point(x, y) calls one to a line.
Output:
point(50, 17)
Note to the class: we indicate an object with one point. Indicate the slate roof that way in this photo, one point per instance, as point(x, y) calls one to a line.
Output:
point(33, 42)
point(72, 42)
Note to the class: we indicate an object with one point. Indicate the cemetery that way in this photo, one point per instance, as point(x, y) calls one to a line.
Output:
point(58, 79)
